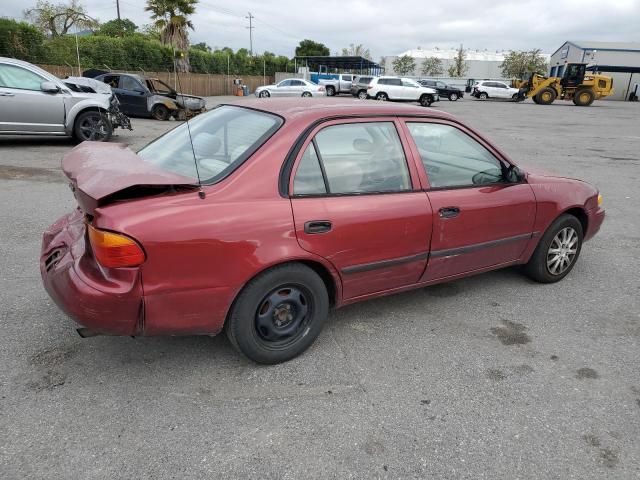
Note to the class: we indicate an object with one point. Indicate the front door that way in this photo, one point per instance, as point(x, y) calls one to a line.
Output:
point(480, 219)
point(24, 107)
point(133, 96)
point(354, 204)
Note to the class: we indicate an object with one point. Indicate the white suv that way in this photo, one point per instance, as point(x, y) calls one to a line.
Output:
point(401, 90)
point(494, 89)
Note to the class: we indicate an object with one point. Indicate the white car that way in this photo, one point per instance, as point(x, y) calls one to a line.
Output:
point(494, 89)
point(291, 87)
point(401, 90)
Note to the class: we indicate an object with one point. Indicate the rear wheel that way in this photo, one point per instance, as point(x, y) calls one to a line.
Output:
point(160, 112)
point(362, 94)
point(331, 91)
point(535, 100)
point(453, 97)
point(278, 314)
point(306, 94)
point(382, 97)
point(557, 252)
point(92, 126)
point(583, 98)
point(483, 95)
point(546, 96)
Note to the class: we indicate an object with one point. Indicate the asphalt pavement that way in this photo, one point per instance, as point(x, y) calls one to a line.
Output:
point(490, 377)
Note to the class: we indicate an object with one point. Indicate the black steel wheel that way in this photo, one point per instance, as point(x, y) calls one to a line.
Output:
point(92, 126)
point(279, 314)
point(160, 112)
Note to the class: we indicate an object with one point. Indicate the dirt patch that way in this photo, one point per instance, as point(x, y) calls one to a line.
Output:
point(53, 357)
point(511, 333)
point(10, 172)
point(589, 373)
point(592, 440)
point(608, 457)
point(495, 374)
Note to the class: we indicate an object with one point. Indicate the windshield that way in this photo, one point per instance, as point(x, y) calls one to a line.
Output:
point(222, 140)
point(158, 86)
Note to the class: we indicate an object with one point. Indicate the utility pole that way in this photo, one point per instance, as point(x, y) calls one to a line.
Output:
point(250, 27)
point(118, 8)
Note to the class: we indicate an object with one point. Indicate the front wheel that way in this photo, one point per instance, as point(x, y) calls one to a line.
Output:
point(279, 314)
point(426, 101)
point(557, 252)
point(92, 126)
point(264, 94)
point(453, 97)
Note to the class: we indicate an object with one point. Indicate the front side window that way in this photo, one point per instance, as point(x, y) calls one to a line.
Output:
point(130, 83)
point(223, 139)
point(19, 78)
point(356, 158)
point(452, 158)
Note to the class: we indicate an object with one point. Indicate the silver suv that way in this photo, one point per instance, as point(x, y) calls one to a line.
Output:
point(35, 102)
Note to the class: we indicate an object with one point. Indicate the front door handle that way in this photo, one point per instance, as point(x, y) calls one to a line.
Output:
point(449, 212)
point(317, 226)
point(7, 94)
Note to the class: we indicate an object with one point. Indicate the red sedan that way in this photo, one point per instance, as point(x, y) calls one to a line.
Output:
point(258, 218)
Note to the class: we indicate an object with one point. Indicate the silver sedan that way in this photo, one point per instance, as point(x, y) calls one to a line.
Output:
point(292, 87)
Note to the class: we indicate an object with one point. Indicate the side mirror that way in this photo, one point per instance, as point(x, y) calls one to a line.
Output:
point(49, 87)
point(514, 174)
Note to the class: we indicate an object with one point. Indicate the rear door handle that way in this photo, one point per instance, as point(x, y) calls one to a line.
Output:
point(7, 94)
point(317, 226)
point(449, 212)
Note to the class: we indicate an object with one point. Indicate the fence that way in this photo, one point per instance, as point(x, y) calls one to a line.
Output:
point(201, 84)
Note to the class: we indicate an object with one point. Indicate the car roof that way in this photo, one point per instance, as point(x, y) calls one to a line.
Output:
point(311, 110)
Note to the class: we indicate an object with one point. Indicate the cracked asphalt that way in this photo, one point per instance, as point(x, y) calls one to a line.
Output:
point(490, 377)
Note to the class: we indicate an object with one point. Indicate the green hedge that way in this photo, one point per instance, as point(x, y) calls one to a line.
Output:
point(133, 52)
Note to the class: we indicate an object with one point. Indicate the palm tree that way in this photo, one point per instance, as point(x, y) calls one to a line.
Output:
point(171, 17)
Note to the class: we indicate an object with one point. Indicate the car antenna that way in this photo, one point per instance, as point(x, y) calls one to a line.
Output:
point(201, 193)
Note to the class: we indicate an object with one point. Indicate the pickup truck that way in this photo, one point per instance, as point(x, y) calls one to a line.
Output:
point(342, 84)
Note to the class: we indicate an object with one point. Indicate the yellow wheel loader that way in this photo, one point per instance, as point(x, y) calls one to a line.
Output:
point(576, 85)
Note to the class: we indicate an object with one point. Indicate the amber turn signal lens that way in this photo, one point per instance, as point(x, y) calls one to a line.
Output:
point(599, 199)
point(113, 250)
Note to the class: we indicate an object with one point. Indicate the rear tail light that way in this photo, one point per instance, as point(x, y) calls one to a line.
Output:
point(113, 250)
point(369, 87)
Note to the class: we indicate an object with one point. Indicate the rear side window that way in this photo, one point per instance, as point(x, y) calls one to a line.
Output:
point(452, 158)
point(354, 158)
point(364, 80)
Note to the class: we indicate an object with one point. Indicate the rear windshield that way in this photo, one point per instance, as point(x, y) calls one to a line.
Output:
point(223, 139)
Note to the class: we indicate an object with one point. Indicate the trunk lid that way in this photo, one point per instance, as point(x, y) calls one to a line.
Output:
point(102, 172)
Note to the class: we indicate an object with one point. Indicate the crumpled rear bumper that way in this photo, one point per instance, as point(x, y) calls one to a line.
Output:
point(107, 302)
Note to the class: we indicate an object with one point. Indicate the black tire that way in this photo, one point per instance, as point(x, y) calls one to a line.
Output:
point(514, 97)
point(160, 112)
point(92, 126)
point(382, 97)
point(538, 267)
point(306, 94)
point(535, 100)
point(453, 96)
point(264, 94)
point(362, 95)
point(546, 96)
point(583, 97)
point(254, 327)
point(331, 91)
point(426, 100)
point(483, 95)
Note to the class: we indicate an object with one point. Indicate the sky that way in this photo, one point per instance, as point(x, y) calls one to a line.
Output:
point(389, 27)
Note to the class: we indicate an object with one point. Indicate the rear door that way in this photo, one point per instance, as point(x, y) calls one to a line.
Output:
point(297, 87)
point(24, 107)
point(133, 95)
point(355, 204)
point(480, 219)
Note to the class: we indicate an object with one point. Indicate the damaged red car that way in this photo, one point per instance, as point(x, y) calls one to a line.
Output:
point(258, 218)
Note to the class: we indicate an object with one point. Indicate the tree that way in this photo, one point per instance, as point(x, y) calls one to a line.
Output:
point(404, 65)
point(518, 64)
point(382, 62)
point(459, 68)
point(309, 48)
point(202, 46)
point(172, 18)
point(117, 28)
point(56, 20)
point(356, 51)
point(432, 66)
point(21, 40)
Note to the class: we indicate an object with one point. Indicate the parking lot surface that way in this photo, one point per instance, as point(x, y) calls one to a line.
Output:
point(490, 377)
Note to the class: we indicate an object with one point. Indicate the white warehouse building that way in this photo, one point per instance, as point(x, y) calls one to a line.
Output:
point(482, 64)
